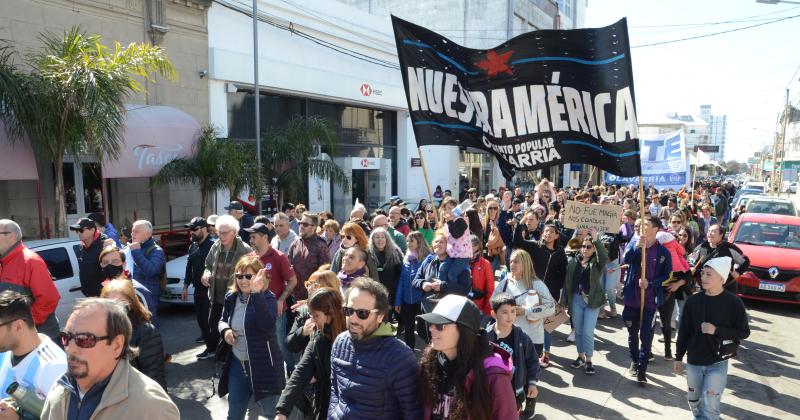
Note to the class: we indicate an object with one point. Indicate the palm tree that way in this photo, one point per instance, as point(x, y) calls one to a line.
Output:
point(216, 163)
point(289, 155)
point(75, 97)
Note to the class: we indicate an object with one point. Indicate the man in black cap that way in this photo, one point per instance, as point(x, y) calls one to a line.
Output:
point(236, 209)
point(105, 226)
point(195, 265)
point(90, 273)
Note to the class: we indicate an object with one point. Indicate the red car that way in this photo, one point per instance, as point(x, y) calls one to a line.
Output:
point(772, 242)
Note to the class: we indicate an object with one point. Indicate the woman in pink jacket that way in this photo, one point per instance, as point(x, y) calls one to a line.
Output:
point(673, 287)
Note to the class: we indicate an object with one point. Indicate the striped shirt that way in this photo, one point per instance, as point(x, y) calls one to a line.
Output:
point(38, 371)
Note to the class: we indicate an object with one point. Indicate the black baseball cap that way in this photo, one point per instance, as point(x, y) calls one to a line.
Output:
point(197, 222)
point(257, 228)
point(454, 309)
point(83, 223)
point(235, 205)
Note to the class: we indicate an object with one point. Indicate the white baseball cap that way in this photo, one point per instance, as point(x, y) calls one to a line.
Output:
point(454, 309)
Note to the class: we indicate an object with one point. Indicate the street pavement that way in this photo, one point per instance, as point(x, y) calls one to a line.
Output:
point(763, 381)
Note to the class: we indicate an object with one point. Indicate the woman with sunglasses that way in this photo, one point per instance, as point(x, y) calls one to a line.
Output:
point(327, 323)
point(423, 227)
point(462, 374)
point(253, 363)
point(353, 235)
point(407, 300)
point(583, 296)
point(145, 336)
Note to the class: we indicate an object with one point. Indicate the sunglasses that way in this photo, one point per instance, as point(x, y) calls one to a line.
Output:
point(304, 224)
point(360, 313)
point(494, 208)
point(194, 229)
point(676, 222)
point(430, 211)
point(440, 327)
point(82, 340)
point(244, 276)
point(587, 247)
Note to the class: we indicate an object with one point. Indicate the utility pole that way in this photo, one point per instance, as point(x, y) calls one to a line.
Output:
point(784, 123)
point(775, 146)
point(257, 96)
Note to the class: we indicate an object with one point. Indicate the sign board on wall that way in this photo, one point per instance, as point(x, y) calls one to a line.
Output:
point(416, 162)
point(365, 163)
point(578, 215)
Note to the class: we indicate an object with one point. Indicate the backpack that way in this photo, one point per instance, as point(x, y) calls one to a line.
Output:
point(163, 278)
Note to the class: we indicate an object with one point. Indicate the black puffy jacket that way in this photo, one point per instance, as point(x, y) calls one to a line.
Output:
point(315, 363)
point(151, 352)
point(90, 273)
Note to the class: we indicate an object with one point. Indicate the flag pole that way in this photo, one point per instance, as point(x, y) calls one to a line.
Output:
point(428, 184)
point(644, 248)
point(694, 173)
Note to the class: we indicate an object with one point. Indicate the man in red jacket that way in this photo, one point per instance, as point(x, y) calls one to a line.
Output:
point(24, 271)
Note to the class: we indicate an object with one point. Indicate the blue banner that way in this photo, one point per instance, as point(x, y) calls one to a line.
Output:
point(663, 159)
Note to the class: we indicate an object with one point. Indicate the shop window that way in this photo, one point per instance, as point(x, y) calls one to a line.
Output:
point(70, 197)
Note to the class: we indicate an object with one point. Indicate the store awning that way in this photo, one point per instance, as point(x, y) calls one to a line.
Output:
point(18, 160)
point(154, 135)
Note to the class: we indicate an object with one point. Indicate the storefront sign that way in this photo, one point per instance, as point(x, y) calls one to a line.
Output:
point(416, 162)
point(578, 215)
point(366, 163)
point(540, 99)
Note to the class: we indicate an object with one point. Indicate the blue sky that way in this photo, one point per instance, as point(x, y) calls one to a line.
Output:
point(741, 74)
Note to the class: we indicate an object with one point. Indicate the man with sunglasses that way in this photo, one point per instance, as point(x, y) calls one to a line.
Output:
point(28, 358)
point(100, 382)
point(391, 386)
point(92, 240)
point(24, 271)
point(195, 265)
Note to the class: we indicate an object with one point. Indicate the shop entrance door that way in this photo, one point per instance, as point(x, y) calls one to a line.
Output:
point(366, 187)
point(83, 191)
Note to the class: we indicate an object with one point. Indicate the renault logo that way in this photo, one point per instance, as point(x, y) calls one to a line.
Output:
point(773, 272)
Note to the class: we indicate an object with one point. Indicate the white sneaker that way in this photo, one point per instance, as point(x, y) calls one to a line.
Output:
point(571, 338)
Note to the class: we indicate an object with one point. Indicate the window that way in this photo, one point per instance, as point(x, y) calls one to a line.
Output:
point(565, 7)
point(58, 262)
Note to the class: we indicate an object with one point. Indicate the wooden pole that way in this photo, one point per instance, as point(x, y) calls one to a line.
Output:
point(428, 184)
point(644, 248)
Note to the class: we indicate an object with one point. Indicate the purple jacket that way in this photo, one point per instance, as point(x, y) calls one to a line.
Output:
point(498, 371)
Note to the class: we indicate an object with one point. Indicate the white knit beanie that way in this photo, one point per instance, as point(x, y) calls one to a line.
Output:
point(721, 265)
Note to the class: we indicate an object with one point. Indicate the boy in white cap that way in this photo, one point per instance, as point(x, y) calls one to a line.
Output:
point(712, 324)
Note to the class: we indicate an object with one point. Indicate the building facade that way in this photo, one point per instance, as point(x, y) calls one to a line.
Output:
point(180, 27)
point(717, 131)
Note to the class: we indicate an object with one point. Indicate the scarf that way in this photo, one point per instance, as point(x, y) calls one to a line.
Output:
point(346, 279)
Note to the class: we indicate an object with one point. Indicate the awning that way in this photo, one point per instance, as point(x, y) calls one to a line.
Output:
point(17, 161)
point(154, 135)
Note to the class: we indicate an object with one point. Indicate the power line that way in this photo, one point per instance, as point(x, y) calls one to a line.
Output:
point(715, 33)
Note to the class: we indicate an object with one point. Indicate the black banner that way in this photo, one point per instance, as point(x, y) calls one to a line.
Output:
point(540, 99)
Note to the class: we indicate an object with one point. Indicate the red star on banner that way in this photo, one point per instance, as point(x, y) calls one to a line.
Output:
point(495, 63)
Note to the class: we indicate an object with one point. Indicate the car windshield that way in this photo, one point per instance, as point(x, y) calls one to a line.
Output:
point(769, 234)
point(771, 207)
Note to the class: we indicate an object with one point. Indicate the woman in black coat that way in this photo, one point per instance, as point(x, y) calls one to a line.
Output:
point(390, 259)
point(145, 336)
point(325, 306)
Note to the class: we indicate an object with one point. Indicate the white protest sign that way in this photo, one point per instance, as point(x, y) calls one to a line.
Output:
point(586, 216)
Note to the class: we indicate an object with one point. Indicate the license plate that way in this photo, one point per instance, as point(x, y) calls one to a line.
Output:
point(772, 287)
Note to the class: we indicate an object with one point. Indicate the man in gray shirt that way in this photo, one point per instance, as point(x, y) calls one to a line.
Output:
point(284, 233)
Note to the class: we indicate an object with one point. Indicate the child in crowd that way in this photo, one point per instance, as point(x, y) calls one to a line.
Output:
point(459, 246)
point(524, 354)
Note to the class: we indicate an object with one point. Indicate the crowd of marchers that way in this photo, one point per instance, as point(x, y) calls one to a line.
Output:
point(442, 312)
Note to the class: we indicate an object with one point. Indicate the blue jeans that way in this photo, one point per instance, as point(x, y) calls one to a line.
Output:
point(705, 386)
point(639, 354)
point(280, 328)
point(239, 392)
point(610, 282)
point(547, 339)
point(584, 320)
point(451, 268)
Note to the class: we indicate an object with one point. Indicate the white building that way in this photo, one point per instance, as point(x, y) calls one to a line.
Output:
point(717, 131)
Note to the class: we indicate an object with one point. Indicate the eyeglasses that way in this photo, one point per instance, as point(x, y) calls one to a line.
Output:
point(82, 340)
point(244, 276)
point(440, 327)
point(304, 224)
point(360, 313)
point(587, 247)
point(8, 322)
